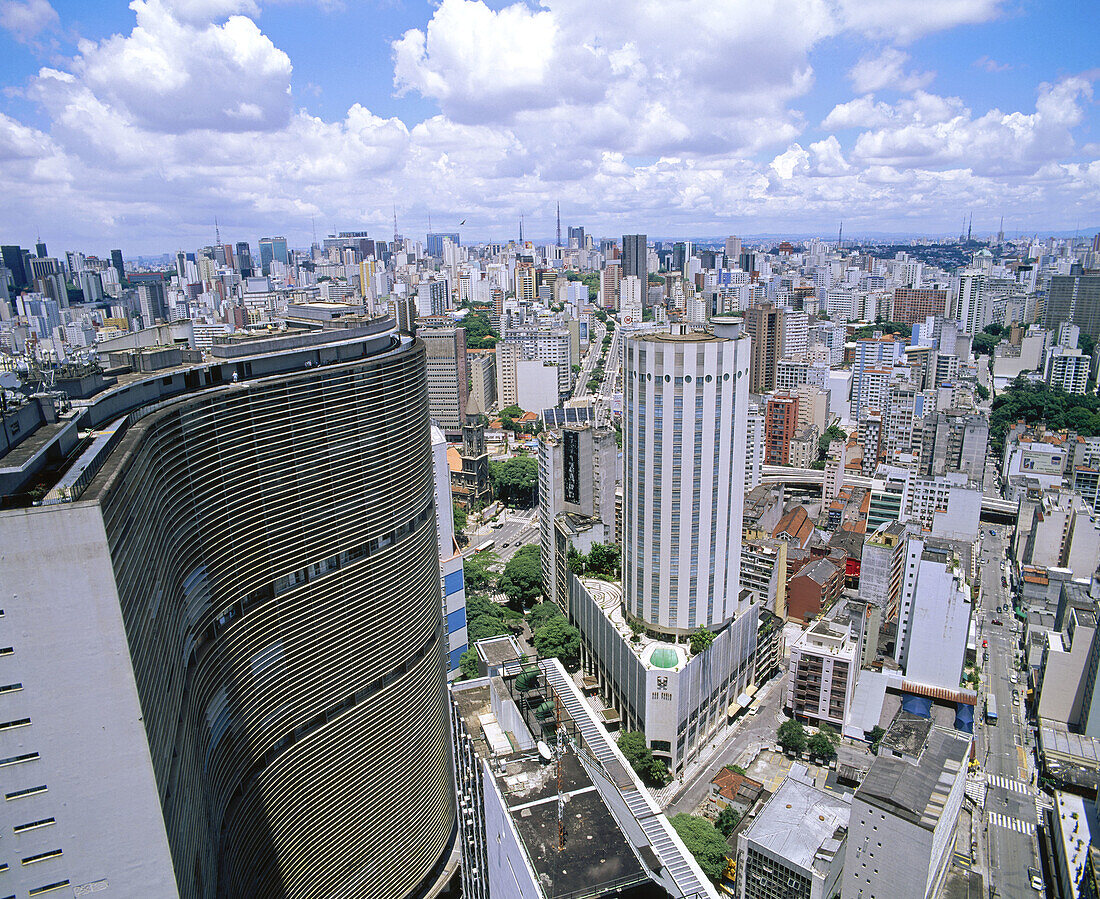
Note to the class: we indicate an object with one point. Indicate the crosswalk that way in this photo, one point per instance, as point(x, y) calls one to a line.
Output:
point(1008, 783)
point(1010, 823)
point(975, 789)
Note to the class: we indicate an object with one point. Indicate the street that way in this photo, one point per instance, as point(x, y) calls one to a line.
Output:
point(519, 527)
point(1004, 748)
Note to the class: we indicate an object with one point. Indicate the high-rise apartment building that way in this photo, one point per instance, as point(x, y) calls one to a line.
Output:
point(227, 636)
point(435, 242)
point(448, 377)
point(971, 308)
point(780, 424)
point(764, 324)
point(915, 304)
point(610, 282)
point(635, 260)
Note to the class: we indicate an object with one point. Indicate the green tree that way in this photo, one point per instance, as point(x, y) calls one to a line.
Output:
point(542, 612)
point(483, 618)
point(823, 743)
point(703, 842)
point(791, 736)
point(727, 821)
point(558, 639)
point(479, 332)
point(982, 391)
point(833, 432)
point(460, 518)
point(994, 329)
point(467, 665)
point(521, 581)
point(650, 769)
point(603, 560)
point(477, 571)
point(983, 344)
point(701, 640)
point(875, 736)
point(515, 481)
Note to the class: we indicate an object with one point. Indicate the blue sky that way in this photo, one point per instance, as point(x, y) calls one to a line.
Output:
point(136, 125)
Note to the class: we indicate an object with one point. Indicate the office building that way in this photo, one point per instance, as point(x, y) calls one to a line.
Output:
point(795, 846)
point(448, 377)
point(733, 251)
point(910, 798)
point(244, 573)
point(780, 425)
point(764, 324)
point(1073, 298)
point(272, 249)
point(576, 237)
point(483, 380)
point(242, 258)
point(117, 264)
point(686, 402)
point(12, 257)
point(578, 824)
point(435, 242)
point(635, 259)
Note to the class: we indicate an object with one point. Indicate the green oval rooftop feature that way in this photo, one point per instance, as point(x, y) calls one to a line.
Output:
point(664, 657)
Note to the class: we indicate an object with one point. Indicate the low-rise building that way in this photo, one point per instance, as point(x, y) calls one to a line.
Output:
point(795, 847)
point(813, 588)
point(910, 798)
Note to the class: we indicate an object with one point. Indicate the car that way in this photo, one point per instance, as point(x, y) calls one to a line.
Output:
point(506, 545)
point(1014, 678)
point(1036, 879)
point(985, 644)
point(997, 621)
point(992, 533)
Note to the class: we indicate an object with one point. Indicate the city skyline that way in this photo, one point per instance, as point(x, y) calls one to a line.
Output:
point(137, 126)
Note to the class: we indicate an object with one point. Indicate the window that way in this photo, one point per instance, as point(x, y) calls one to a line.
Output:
point(33, 825)
point(30, 791)
point(10, 688)
point(16, 759)
point(48, 888)
point(41, 857)
point(7, 650)
point(11, 725)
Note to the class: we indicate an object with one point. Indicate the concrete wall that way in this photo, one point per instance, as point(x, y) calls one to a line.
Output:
point(873, 866)
point(70, 654)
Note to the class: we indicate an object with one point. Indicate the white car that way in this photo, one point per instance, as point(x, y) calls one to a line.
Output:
point(1014, 678)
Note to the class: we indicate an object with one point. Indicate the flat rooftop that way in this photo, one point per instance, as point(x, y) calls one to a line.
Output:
point(654, 653)
point(800, 823)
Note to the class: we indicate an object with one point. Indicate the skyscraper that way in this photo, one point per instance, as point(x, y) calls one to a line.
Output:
point(13, 262)
point(635, 261)
point(687, 397)
point(435, 242)
point(243, 256)
point(272, 249)
point(448, 379)
point(117, 264)
point(1076, 299)
point(228, 639)
point(764, 324)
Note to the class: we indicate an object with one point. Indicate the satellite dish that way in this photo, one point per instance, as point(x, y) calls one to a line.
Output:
point(544, 750)
point(9, 380)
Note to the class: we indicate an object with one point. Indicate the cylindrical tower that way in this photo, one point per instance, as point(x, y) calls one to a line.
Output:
point(686, 406)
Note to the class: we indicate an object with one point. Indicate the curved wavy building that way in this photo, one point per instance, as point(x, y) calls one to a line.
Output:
point(225, 627)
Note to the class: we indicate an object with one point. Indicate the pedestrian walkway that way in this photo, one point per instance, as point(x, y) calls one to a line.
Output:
point(1010, 823)
point(1008, 783)
point(975, 789)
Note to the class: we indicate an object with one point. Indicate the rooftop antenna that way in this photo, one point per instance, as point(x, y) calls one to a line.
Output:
point(970, 227)
point(521, 229)
point(395, 223)
point(559, 224)
point(840, 237)
point(313, 224)
point(217, 233)
point(429, 221)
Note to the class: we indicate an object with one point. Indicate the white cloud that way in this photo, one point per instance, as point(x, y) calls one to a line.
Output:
point(26, 19)
point(904, 22)
point(172, 74)
point(875, 73)
point(991, 65)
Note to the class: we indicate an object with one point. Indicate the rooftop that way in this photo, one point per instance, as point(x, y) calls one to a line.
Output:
point(802, 824)
point(915, 791)
point(653, 653)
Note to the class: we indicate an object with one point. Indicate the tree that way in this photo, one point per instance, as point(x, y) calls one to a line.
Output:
point(1032, 402)
point(603, 560)
point(542, 612)
point(521, 581)
point(994, 329)
point(823, 743)
point(515, 481)
point(650, 769)
point(983, 344)
point(875, 736)
point(833, 432)
point(479, 332)
point(982, 391)
point(460, 518)
point(476, 571)
point(791, 736)
point(558, 639)
point(467, 664)
point(701, 640)
point(703, 842)
point(727, 821)
point(483, 618)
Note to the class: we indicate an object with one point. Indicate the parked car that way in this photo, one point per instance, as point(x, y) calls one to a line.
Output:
point(997, 621)
point(1036, 879)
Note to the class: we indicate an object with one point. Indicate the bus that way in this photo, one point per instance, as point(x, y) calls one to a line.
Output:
point(990, 709)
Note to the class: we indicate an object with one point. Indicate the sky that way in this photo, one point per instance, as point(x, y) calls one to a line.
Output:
point(136, 126)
